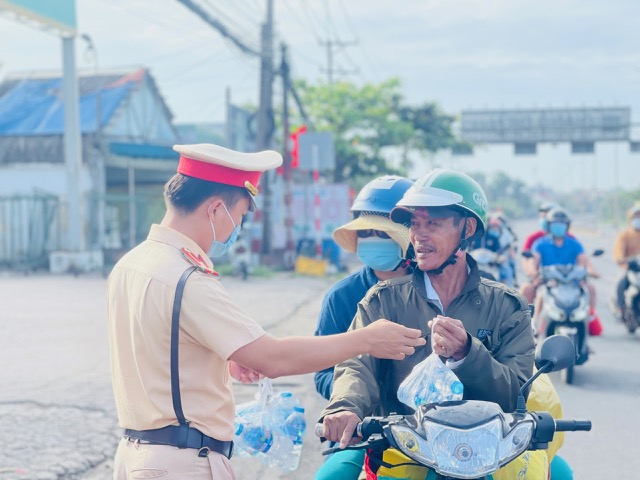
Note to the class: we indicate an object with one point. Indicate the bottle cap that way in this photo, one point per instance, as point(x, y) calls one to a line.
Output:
point(298, 409)
point(457, 387)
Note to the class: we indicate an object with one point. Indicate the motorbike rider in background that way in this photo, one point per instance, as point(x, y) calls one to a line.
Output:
point(627, 244)
point(494, 240)
point(558, 248)
point(383, 247)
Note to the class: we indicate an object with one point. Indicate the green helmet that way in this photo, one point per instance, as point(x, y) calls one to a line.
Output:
point(441, 188)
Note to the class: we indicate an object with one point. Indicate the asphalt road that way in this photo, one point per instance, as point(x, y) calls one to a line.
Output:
point(58, 420)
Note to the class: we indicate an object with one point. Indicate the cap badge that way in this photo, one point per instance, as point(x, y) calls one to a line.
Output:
point(249, 186)
point(198, 261)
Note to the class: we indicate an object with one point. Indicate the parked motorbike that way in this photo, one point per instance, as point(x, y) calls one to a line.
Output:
point(241, 258)
point(565, 308)
point(471, 439)
point(631, 313)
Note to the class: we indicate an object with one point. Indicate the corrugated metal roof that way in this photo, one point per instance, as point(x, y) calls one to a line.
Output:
point(33, 104)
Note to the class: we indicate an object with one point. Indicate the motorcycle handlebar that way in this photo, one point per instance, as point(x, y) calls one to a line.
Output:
point(364, 429)
point(573, 425)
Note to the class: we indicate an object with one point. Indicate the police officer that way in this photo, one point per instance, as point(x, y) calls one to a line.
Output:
point(176, 336)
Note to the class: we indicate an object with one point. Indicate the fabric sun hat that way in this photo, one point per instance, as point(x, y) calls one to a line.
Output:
point(214, 163)
point(347, 235)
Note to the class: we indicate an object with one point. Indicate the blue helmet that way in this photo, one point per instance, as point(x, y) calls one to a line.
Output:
point(380, 195)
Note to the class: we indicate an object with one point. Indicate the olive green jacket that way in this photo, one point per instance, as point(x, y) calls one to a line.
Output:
point(500, 360)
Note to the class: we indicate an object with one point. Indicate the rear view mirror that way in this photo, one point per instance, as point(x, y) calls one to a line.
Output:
point(558, 351)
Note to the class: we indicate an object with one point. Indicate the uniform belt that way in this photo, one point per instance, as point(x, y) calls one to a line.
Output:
point(182, 437)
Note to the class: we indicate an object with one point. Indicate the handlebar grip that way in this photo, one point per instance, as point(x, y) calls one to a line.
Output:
point(573, 425)
point(319, 431)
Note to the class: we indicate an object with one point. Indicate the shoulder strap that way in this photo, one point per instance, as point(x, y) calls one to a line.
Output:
point(175, 321)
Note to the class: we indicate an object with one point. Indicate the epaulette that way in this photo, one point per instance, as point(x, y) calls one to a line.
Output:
point(384, 284)
point(512, 292)
point(198, 261)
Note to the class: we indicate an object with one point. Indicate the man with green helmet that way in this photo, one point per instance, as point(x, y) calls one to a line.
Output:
point(483, 329)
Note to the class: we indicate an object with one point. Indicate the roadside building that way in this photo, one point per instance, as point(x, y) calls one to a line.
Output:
point(127, 134)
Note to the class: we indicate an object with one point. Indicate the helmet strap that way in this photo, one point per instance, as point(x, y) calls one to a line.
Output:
point(457, 252)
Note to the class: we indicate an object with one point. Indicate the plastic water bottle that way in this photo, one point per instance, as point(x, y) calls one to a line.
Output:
point(439, 391)
point(256, 438)
point(280, 452)
point(285, 403)
point(252, 439)
point(295, 426)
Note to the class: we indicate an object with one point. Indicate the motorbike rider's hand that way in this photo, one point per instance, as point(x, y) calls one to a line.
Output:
point(391, 340)
point(339, 427)
point(242, 373)
point(449, 338)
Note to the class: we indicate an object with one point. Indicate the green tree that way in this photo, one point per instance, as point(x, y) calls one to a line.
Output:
point(367, 119)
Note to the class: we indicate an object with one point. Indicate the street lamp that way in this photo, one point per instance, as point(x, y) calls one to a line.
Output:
point(91, 54)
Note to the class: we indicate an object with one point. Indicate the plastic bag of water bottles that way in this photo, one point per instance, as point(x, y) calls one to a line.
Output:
point(430, 381)
point(270, 428)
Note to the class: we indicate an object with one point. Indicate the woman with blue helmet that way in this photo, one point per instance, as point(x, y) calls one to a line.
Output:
point(384, 248)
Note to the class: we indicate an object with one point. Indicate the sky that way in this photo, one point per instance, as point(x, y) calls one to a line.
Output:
point(461, 54)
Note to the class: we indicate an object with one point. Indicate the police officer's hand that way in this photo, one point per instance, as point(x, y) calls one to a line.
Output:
point(243, 374)
point(339, 427)
point(449, 337)
point(391, 340)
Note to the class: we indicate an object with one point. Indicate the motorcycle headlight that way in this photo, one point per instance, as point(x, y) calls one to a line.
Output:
point(516, 442)
point(465, 454)
point(581, 312)
point(413, 445)
point(553, 312)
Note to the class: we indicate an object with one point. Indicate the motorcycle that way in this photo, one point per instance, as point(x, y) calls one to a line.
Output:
point(631, 312)
point(471, 439)
point(565, 308)
point(489, 263)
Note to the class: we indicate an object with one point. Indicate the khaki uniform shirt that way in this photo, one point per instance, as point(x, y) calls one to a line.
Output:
point(140, 293)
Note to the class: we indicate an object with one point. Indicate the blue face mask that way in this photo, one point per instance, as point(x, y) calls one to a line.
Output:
point(382, 254)
point(558, 229)
point(543, 224)
point(218, 248)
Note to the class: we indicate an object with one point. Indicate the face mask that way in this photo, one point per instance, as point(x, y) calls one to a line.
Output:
point(494, 231)
point(635, 223)
point(218, 249)
point(543, 224)
point(382, 254)
point(558, 229)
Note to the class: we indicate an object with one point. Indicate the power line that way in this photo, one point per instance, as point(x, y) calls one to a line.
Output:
point(365, 54)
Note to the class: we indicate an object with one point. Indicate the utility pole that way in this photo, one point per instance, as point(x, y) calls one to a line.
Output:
point(265, 120)
point(331, 45)
point(289, 252)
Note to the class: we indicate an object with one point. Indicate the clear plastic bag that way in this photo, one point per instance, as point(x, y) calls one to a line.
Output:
point(259, 431)
point(430, 381)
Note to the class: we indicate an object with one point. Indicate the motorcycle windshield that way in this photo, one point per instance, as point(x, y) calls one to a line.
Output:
point(566, 297)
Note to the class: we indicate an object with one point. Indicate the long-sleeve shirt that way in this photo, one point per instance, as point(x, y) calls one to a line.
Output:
point(338, 309)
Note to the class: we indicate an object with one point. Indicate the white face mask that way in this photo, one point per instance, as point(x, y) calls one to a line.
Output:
point(635, 223)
